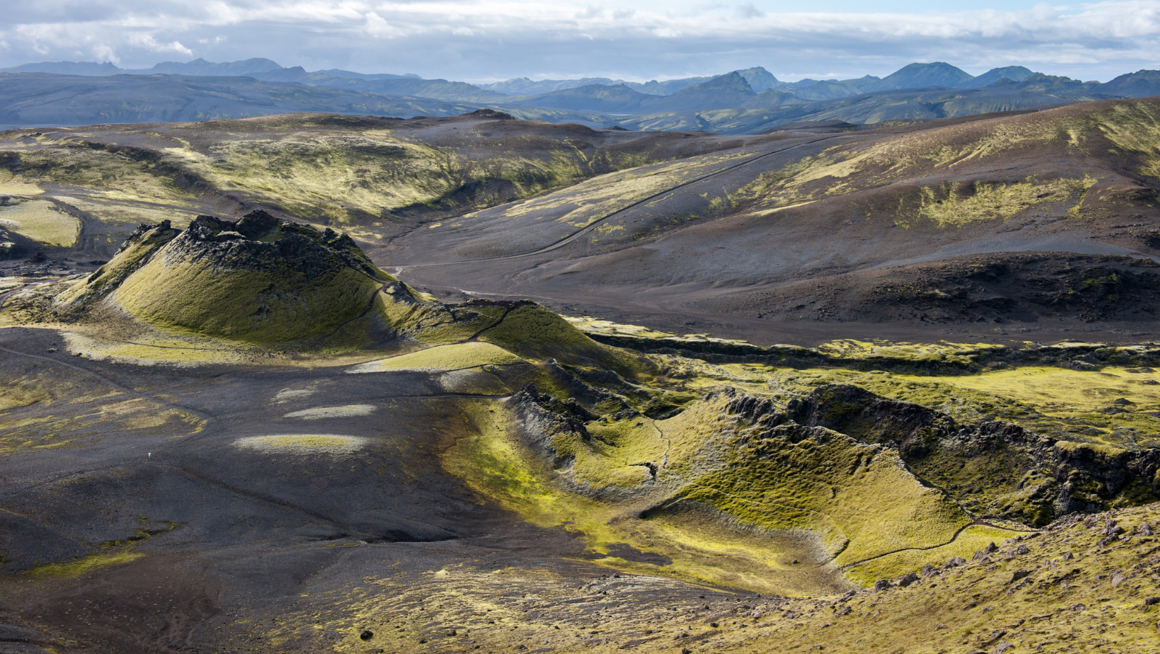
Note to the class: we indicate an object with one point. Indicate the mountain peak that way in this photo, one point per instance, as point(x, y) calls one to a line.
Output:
point(920, 75)
point(759, 79)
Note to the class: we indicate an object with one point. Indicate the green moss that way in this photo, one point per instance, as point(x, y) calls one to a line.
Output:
point(957, 205)
point(534, 332)
point(860, 498)
point(443, 358)
point(134, 254)
point(84, 565)
point(42, 222)
point(254, 306)
point(336, 446)
point(971, 539)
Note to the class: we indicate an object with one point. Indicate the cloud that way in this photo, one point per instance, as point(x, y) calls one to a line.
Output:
point(589, 12)
point(148, 42)
point(640, 39)
point(104, 53)
point(377, 27)
point(747, 10)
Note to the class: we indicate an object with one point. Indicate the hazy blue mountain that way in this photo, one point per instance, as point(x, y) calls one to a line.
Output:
point(667, 87)
point(823, 90)
point(40, 99)
point(1013, 73)
point(617, 99)
point(771, 99)
point(295, 74)
point(1057, 85)
point(438, 89)
point(337, 72)
point(868, 108)
point(917, 76)
point(522, 86)
point(67, 68)
point(202, 67)
point(1140, 84)
point(73, 93)
point(759, 79)
point(722, 92)
point(725, 91)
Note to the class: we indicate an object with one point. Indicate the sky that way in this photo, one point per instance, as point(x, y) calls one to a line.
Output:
point(638, 40)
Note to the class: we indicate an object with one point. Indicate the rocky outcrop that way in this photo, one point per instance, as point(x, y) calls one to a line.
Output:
point(541, 417)
point(259, 279)
point(260, 241)
point(996, 468)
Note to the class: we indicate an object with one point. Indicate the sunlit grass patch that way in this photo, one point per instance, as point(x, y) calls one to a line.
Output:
point(348, 411)
point(131, 213)
point(15, 185)
point(590, 325)
point(957, 205)
point(1114, 405)
point(239, 304)
point(84, 565)
point(442, 358)
point(970, 540)
point(41, 221)
point(304, 444)
point(155, 348)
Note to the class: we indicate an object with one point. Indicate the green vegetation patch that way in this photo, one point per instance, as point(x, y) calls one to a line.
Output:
point(333, 445)
point(41, 221)
point(321, 412)
point(442, 358)
point(1134, 127)
point(957, 205)
point(249, 305)
point(972, 539)
point(535, 332)
point(84, 565)
point(808, 494)
point(860, 498)
point(136, 251)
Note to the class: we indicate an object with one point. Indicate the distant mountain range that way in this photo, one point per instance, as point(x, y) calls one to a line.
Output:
point(742, 101)
point(43, 99)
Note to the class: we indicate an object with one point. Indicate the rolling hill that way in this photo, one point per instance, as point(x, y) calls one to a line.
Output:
point(325, 383)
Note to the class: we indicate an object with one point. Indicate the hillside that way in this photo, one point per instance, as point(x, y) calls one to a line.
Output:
point(593, 97)
point(324, 383)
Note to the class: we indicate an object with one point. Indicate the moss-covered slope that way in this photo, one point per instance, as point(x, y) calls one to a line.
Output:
point(259, 279)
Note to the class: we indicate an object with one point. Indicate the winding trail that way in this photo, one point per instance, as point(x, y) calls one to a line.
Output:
point(117, 385)
point(976, 523)
point(594, 224)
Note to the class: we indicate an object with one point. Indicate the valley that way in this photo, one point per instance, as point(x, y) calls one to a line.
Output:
point(326, 383)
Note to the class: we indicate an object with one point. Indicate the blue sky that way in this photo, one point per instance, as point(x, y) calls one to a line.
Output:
point(478, 40)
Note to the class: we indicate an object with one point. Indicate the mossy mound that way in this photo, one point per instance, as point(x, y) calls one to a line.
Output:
point(442, 358)
point(535, 332)
point(260, 279)
point(134, 253)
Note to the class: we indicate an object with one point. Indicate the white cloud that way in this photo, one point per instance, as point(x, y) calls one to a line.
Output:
point(104, 53)
point(748, 10)
point(647, 38)
point(377, 27)
point(591, 11)
point(148, 42)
